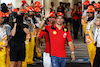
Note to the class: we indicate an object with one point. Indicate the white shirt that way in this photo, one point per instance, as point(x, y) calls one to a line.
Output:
point(68, 13)
point(98, 37)
point(53, 8)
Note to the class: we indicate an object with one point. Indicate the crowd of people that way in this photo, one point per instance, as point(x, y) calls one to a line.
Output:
point(91, 25)
point(20, 36)
point(21, 31)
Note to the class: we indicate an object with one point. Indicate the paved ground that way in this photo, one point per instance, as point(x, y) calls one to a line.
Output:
point(68, 65)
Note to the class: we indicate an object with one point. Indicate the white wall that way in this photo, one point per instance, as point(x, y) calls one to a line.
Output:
point(9, 1)
point(19, 2)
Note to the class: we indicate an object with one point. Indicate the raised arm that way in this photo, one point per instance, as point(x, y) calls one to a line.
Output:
point(47, 14)
point(13, 31)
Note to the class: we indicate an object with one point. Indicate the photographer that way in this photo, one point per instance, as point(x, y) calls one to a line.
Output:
point(17, 44)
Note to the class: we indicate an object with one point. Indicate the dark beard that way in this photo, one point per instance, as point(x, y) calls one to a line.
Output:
point(90, 18)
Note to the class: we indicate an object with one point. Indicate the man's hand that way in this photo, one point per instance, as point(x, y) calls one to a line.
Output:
point(14, 20)
point(74, 10)
point(47, 13)
point(1, 48)
point(76, 47)
point(73, 57)
point(39, 49)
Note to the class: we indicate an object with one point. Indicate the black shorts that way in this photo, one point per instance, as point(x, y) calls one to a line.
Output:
point(69, 20)
point(17, 52)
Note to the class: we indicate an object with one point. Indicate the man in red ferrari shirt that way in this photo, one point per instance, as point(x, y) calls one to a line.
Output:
point(75, 14)
point(46, 54)
point(57, 38)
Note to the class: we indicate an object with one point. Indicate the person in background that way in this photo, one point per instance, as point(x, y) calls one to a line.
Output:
point(5, 32)
point(97, 42)
point(89, 33)
point(62, 9)
point(52, 7)
point(75, 14)
point(17, 42)
point(46, 54)
point(80, 15)
point(93, 2)
point(68, 11)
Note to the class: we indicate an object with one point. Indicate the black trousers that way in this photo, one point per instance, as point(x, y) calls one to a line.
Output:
point(97, 58)
point(76, 26)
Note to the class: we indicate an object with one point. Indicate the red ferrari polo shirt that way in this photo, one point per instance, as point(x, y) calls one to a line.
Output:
point(57, 40)
point(41, 33)
point(75, 16)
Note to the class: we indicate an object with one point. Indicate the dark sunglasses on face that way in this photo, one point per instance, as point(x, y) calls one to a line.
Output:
point(89, 12)
point(51, 17)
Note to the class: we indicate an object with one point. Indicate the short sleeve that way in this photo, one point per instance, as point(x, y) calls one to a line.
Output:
point(69, 38)
point(8, 29)
point(41, 33)
point(47, 28)
point(71, 12)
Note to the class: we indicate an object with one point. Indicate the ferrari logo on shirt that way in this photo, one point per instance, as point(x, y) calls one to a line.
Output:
point(65, 29)
point(64, 35)
point(54, 32)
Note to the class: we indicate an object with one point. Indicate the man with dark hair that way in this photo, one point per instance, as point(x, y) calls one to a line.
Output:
point(52, 7)
point(75, 14)
point(93, 2)
point(68, 11)
point(46, 54)
point(89, 32)
point(57, 38)
point(62, 9)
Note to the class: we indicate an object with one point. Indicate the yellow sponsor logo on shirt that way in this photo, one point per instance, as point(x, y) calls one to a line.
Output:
point(54, 32)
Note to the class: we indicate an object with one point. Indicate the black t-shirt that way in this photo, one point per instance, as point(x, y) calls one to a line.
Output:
point(20, 35)
point(60, 9)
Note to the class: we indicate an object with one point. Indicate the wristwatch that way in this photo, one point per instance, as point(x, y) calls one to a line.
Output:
point(72, 52)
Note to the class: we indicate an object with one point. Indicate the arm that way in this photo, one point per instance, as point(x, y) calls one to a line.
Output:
point(72, 50)
point(13, 31)
point(65, 13)
point(70, 43)
point(38, 40)
point(41, 26)
point(26, 30)
point(47, 14)
point(73, 12)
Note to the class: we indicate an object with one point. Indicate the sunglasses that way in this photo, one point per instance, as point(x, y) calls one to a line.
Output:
point(51, 17)
point(89, 12)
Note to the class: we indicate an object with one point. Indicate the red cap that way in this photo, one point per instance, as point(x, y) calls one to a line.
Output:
point(97, 5)
point(91, 9)
point(60, 14)
point(24, 2)
point(29, 8)
point(52, 14)
point(15, 10)
point(87, 2)
point(37, 2)
point(2, 14)
point(37, 9)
